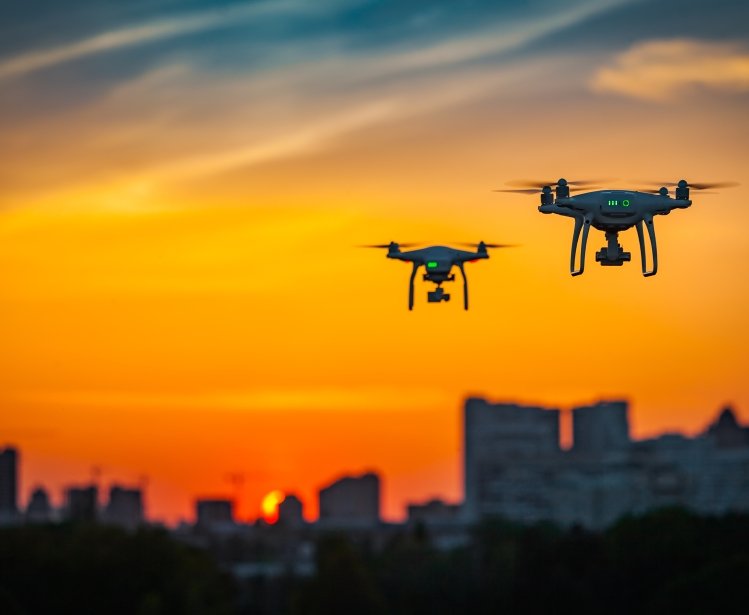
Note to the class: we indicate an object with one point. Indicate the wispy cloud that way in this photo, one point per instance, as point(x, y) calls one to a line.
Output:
point(158, 30)
point(179, 123)
point(496, 39)
point(315, 133)
point(246, 128)
point(664, 69)
point(307, 138)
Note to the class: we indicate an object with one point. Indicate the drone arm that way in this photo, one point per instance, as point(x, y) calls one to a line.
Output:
point(411, 285)
point(581, 223)
point(648, 218)
point(465, 285)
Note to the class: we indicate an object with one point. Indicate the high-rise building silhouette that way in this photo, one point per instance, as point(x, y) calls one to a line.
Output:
point(124, 508)
point(291, 512)
point(214, 513)
point(8, 485)
point(514, 469)
point(351, 501)
point(82, 503)
point(503, 445)
point(39, 509)
point(726, 432)
point(600, 428)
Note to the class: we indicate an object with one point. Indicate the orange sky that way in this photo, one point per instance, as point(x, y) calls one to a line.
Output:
point(183, 300)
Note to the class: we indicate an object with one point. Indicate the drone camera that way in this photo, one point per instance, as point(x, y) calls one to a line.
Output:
point(436, 296)
point(603, 258)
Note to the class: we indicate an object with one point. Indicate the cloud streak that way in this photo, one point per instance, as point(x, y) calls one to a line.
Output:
point(156, 31)
point(156, 129)
point(661, 70)
point(493, 41)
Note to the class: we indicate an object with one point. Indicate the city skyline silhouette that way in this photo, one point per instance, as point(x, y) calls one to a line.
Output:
point(183, 187)
point(239, 494)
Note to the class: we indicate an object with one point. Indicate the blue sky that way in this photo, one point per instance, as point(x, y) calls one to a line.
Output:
point(354, 60)
point(247, 36)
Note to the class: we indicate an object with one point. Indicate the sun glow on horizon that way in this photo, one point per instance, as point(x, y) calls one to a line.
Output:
point(270, 505)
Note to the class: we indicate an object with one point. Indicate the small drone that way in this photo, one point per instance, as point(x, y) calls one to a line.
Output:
point(612, 211)
point(438, 261)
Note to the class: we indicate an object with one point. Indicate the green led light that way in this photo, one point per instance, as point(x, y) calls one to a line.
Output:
point(431, 265)
point(625, 202)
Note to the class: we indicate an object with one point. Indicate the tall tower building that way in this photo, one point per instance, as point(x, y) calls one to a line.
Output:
point(291, 512)
point(8, 484)
point(503, 447)
point(39, 509)
point(82, 504)
point(351, 501)
point(125, 507)
point(601, 428)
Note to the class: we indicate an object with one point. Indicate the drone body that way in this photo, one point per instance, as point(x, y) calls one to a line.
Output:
point(613, 211)
point(438, 262)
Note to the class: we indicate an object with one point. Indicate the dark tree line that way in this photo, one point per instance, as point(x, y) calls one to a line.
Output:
point(665, 561)
point(94, 569)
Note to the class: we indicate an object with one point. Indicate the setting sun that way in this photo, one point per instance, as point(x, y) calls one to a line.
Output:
point(270, 505)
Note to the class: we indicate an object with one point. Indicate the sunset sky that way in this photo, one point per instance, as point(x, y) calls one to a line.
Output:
point(183, 185)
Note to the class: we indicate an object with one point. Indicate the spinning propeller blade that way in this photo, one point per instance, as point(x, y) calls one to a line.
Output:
point(710, 185)
point(486, 245)
point(388, 245)
point(692, 186)
point(532, 183)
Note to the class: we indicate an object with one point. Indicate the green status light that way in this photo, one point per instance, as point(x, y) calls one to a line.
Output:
point(431, 265)
point(624, 203)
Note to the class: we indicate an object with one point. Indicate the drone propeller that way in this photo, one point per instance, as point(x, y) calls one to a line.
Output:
point(692, 186)
point(389, 245)
point(534, 187)
point(521, 190)
point(486, 245)
point(532, 183)
point(711, 185)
